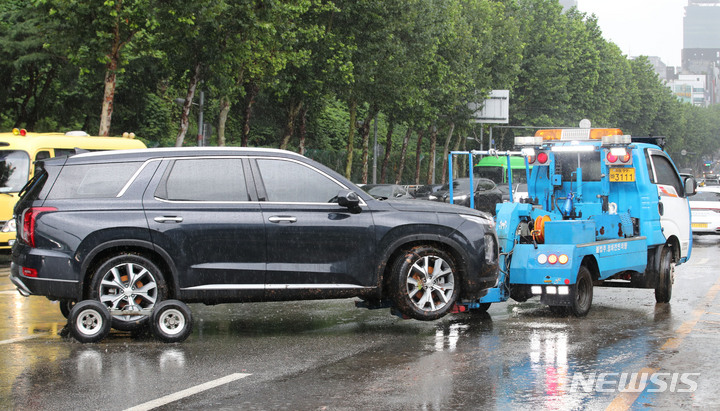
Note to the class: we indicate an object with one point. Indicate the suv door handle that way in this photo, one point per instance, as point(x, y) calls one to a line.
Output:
point(168, 219)
point(282, 219)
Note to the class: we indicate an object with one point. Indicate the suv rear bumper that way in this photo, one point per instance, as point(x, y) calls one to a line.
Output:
point(53, 289)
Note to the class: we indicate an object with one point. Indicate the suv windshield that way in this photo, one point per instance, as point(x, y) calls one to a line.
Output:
point(14, 169)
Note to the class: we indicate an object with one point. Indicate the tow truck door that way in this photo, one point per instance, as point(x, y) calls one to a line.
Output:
point(674, 208)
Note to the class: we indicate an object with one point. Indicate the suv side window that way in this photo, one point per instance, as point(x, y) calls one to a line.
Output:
point(204, 179)
point(290, 182)
point(92, 180)
point(665, 173)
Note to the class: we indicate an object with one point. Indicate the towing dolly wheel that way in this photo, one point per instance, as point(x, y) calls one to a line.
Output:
point(583, 293)
point(425, 283)
point(666, 273)
point(171, 321)
point(89, 321)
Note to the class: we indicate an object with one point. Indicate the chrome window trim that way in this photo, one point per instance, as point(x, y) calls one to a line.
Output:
point(244, 156)
point(331, 178)
point(272, 287)
point(135, 176)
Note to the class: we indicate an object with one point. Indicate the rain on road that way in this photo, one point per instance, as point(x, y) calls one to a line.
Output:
point(310, 355)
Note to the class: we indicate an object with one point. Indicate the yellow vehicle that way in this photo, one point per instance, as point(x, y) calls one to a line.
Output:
point(20, 149)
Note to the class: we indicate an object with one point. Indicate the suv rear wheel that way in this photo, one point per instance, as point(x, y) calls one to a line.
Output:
point(426, 282)
point(128, 282)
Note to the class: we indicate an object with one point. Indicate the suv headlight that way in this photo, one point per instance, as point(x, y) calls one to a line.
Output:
point(479, 220)
point(9, 226)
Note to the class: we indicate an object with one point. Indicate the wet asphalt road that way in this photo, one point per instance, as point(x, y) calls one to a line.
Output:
point(329, 355)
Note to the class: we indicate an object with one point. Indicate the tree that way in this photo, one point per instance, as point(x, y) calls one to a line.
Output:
point(106, 29)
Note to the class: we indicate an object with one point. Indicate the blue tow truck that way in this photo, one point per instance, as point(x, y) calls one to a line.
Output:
point(603, 209)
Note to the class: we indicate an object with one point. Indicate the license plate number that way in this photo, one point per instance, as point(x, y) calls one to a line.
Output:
point(622, 175)
point(699, 225)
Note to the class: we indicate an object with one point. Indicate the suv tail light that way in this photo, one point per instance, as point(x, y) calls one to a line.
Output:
point(28, 220)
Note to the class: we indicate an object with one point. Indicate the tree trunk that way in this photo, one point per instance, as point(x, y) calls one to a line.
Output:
point(303, 130)
point(108, 97)
point(253, 91)
point(388, 150)
point(403, 154)
point(185, 116)
point(418, 152)
point(41, 99)
point(222, 119)
point(111, 76)
point(22, 116)
point(456, 148)
point(293, 111)
point(446, 150)
point(433, 147)
point(366, 143)
point(351, 140)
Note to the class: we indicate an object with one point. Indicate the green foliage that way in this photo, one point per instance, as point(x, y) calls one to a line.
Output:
point(414, 63)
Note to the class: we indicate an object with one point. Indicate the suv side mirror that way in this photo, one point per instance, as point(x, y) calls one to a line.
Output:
point(350, 200)
point(690, 186)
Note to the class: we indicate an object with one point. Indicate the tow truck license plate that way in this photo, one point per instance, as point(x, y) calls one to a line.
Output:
point(618, 174)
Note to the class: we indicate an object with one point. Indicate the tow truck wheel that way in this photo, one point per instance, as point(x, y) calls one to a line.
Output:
point(666, 274)
point(425, 283)
point(171, 321)
point(583, 293)
point(89, 321)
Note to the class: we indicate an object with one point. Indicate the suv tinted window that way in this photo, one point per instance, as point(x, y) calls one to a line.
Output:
point(290, 182)
point(92, 180)
point(204, 179)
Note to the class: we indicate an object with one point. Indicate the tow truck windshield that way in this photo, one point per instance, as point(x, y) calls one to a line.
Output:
point(569, 162)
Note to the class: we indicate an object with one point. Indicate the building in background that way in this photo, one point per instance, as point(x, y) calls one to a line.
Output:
point(691, 88)
point(662, 70)
point(701, 48)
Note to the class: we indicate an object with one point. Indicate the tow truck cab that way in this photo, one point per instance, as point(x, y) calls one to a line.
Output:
point(602, 210)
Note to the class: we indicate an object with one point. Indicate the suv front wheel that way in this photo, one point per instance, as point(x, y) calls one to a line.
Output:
point(128, 282)
point(426, 282)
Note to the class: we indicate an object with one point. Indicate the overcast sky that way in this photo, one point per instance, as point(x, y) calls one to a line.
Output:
point(641, 27)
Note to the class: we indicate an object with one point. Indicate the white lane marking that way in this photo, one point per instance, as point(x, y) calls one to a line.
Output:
point(18, 339)
point(188, 392)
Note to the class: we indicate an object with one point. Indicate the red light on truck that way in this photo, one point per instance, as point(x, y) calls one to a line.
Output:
point(542, 158)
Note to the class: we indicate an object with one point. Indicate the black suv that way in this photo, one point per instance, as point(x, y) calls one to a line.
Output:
point(217, 225)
